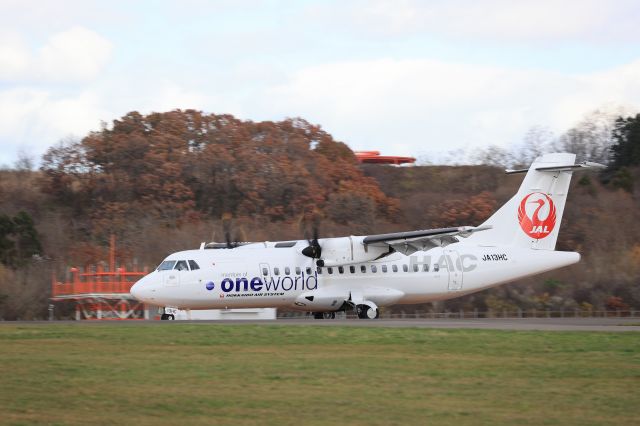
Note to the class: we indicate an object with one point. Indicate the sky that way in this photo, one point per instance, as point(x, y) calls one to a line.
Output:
point(400, 76)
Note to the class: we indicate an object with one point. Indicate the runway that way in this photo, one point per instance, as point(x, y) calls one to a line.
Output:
point(542, 324)
point(531, 324)
point(521, 324)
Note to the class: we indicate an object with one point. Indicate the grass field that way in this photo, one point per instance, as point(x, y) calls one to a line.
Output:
point(235, 374)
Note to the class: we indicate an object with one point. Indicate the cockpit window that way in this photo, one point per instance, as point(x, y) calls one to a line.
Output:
point(193, 265)
point(166, 265)
point(181, 266)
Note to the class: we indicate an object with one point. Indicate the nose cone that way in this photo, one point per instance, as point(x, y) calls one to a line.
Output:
point(141, 290)
point(136, 290)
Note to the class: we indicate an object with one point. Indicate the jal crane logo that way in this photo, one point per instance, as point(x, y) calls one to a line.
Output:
point(533, 225)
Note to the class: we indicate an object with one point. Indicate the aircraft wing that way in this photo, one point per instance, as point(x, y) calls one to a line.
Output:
point(409, 242)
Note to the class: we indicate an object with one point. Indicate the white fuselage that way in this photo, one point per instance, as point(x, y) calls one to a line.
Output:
point(263, 275)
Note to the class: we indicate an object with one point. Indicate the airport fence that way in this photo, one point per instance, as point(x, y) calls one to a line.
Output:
point(520, 313)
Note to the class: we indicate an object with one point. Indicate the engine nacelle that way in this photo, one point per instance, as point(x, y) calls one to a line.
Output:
point(321, 300)
point(350, 250)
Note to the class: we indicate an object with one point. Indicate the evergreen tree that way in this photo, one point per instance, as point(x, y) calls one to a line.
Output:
point(626, 148)
point(18, 239)
point(26, 236)
point(7, 246)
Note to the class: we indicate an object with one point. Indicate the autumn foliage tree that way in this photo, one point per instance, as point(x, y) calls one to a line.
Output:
point(180, 166)
point(473, 210)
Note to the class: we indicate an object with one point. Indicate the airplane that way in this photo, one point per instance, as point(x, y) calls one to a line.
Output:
point(364, 273)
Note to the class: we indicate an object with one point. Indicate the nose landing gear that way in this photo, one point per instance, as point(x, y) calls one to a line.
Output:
point(169, 313)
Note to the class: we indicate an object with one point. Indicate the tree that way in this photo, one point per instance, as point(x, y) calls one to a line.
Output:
point(66, 174)
point(625, 151)
point(493, 155)
point(472, 211)
point(18, 239)
point(27, 240)
point(537, 141)
point(181, 167)
point(591, 138)
point(7, 245)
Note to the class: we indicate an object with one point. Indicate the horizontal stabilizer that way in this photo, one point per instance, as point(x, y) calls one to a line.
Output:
point(567, 168)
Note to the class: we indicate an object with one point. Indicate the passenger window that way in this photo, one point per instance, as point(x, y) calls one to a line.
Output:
point(425, 267)
point(352, 269)
point(341, 269)
point(436, 267)
point(276, 271)
point(193, 265)
point(287, 270)
point(405, 268)
point(363, 269)
point(374, 268)
point(309, 271)
point(319, 271)
point(167, 265)
point(384, 268)
point(298, 271)
point(330, 270)
point(415, 267)
point(265, 271)
point(181, 265)
point(394, 268)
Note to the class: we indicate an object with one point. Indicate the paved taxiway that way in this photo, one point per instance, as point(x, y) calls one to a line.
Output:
point(524, 324)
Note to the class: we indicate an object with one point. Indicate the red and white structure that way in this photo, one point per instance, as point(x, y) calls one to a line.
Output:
point(101, 293)
point(374, 157)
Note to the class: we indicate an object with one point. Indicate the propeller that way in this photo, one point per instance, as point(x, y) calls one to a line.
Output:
point(313, 250)
point(226, 229)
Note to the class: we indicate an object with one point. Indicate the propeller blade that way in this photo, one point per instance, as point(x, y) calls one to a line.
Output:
point(226, 228)
point(311, 220)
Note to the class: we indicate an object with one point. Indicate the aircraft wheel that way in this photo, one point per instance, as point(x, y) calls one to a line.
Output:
point(163, 317)
point(170, 317)
point(318, 315)
point(361, 311)
point(366, 312)
point(328, 315)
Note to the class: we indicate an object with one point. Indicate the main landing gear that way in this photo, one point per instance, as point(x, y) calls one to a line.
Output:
point(362, 311)
point(367, 312)
point(167, 317)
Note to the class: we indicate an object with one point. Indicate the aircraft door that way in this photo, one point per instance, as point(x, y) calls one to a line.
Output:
point(455, 270)
point(171, 278)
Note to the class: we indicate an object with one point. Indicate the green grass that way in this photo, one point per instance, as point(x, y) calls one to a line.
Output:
point(235, 374)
